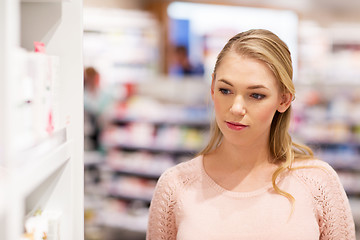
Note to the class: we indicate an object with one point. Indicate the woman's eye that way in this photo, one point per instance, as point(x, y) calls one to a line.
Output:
point(224, 91)
point(257, 96)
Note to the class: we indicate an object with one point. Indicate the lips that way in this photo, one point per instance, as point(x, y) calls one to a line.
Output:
point(235, 125)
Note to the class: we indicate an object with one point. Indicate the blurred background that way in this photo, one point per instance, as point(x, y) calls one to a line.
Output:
point(148, 66)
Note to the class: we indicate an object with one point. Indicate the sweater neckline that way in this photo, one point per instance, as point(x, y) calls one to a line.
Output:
point(227, 192)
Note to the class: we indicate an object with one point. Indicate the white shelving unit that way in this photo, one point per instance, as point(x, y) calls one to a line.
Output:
point(48, 174)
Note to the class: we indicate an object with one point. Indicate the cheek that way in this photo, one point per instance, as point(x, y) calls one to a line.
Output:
point(266, 114)
point(215, 101)
point(219, 105)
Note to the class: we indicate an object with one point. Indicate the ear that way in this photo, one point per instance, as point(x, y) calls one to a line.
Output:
point(285, 101)
point(212, 86)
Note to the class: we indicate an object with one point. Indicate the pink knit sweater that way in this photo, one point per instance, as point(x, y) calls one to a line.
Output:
point(189, 205)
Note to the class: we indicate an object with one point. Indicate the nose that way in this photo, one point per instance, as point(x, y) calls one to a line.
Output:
point(238, 106)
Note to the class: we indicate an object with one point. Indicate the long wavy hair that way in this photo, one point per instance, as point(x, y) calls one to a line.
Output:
point(263, 45)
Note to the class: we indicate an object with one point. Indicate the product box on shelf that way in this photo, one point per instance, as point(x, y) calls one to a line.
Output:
point(35, 105)
point(42, 225)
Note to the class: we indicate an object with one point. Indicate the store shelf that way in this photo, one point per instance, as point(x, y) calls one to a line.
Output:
point(352, 194)
point(341, 162)
point(121, 44)
point(128, 197)
point(355, 207)
point(44, 1)
point(31, 176)
point(346, 168)
point(147, 175)
point(326, 118)
point(140, 145)
point(130, 188)
point(38, 98)
point(154, 148)
point(92, 158)
point(190, 123)
point(317, 144)
point(43, 146)
point(133, 222)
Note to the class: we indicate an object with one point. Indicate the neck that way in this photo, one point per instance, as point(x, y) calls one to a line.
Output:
point(244, 157)
point(240, 168)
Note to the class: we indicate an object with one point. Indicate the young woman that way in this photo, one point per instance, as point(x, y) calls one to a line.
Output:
point(251, 181)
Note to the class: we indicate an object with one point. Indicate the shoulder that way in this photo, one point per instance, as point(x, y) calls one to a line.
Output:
point(165, 201)
point(320, 178)
point(331, 204)
point(314, 168)
point(312, 162)
point(315, 173)
point(182, 173)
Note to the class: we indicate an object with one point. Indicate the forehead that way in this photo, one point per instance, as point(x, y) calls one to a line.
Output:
point(237, 68)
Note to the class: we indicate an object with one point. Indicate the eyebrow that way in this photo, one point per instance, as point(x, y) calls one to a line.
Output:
point(257, 87)
point(249, 87)
point(224, 81)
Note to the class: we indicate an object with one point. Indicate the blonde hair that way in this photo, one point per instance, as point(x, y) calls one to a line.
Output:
point(265, 46)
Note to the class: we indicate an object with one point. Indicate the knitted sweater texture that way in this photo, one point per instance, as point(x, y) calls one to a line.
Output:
point(189, 205)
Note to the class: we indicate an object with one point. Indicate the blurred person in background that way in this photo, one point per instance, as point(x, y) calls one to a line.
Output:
point(182, 66)
point(92, 90)
point(91, 108)
point(96, 104)
point(251, 181)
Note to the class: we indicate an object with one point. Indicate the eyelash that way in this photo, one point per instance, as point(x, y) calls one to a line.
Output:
point(224, 91)
point(258, 96)
point(255, 96)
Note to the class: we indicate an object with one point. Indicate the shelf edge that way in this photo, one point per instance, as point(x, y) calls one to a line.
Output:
point(27, 179)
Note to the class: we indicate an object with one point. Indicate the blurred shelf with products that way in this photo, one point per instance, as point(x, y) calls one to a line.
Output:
point(143, 136)
point(153, 122)
point(121, 45)
point(326, 117)
point(326, 112)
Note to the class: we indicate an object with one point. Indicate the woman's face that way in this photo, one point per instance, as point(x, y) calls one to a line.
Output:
point(246, 96)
